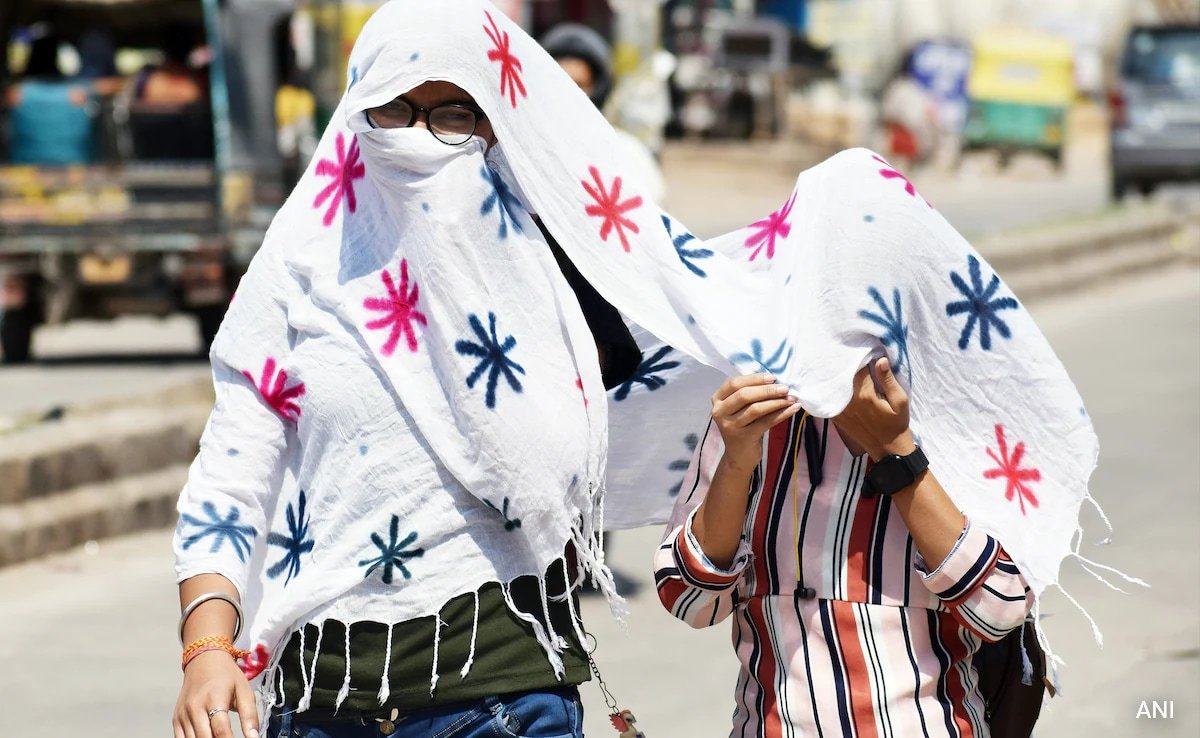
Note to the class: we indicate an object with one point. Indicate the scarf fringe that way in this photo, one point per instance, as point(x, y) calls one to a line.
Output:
point(344, 692)
point(1052, 659)
point(539, 632)
point(1107, 523)
point(437, 640)
point(384, 686)
point(306, 698)
point(474, 639)
point(576, 621)
point(1026, 664)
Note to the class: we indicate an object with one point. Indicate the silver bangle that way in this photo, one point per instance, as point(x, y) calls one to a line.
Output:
point(187, 611)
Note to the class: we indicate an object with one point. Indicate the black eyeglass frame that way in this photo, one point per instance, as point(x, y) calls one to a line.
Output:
point(417, 112)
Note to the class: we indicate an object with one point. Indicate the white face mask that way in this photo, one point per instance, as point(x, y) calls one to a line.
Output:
point(400, 153)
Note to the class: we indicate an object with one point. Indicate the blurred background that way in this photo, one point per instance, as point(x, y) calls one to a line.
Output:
point(146, 144)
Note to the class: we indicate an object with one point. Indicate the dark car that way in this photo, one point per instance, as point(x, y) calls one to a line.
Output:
point(1155, 108)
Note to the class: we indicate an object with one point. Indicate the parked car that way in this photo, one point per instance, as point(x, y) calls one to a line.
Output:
point(1155, 109)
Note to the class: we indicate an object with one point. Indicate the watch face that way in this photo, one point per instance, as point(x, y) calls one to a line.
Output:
point(890, 475)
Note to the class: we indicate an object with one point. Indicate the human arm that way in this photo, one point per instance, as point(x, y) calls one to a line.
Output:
point(230, 487)
point(744, 408)
point(967, 569)
point(980, 585)
point(876, 422)
point(690, 586)
point(212, 680)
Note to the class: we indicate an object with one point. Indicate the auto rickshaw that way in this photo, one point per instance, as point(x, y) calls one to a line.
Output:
point(1021, 86)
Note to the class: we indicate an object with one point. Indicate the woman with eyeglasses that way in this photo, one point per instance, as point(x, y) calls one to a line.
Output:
point(399, 593)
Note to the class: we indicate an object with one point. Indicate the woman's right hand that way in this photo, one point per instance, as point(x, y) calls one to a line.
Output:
point(744, 409)
point(213, 680)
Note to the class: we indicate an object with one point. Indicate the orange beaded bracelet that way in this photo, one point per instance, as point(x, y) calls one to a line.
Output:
point(211, 643)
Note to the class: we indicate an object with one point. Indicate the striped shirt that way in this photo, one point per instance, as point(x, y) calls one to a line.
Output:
point(839, 627)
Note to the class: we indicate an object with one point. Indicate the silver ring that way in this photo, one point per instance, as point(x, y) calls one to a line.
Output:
point(213, 712)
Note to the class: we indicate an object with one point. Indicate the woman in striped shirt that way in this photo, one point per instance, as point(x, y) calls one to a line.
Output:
point(853, 615)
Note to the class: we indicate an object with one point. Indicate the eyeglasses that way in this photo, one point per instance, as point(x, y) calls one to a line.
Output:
point(450, 123)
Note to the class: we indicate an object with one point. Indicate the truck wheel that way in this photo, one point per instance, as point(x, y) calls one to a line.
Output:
point(208, 320)
point(1118, 187)
point(1057, 157)
point(16, 334)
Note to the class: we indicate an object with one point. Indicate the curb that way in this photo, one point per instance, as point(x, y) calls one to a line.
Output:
point(42, 526)
point(1064, 258)
point(52, 457)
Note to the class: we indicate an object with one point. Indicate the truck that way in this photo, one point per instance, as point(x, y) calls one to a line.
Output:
point(162, 206)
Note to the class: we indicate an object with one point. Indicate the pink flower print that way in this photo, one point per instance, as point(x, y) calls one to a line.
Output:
point(1009, 467)
point(771, 228)
point(344, 171)
point(609, 207)
point(889, 173)
point(400, 308)
point(510, 66)
point(255, 663)
point(275, 392)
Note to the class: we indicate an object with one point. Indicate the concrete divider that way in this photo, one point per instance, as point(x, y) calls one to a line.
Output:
point(1062, 257)
point(105, 471)
point(97, 472)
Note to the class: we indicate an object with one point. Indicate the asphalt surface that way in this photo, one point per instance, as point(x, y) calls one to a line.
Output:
point(87, 643)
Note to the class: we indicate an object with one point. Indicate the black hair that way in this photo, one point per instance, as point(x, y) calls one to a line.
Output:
point(43, 57)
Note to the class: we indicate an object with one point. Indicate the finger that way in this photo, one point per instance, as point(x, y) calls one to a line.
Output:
point(756, 411)
point(183, 722)
point(733, 384)
point(247, 709)
point(775, 418)
point(747, 396)
point(200, 721)
point(221, 725)
point(864, 385)
point(178, 724)
point(892, 391)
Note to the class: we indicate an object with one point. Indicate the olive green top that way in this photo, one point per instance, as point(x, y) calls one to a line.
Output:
point(508, 657)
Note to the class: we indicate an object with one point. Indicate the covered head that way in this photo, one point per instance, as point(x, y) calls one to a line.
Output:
point(574, 42)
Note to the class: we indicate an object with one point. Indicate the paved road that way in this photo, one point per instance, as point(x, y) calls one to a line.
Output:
point(86, 639)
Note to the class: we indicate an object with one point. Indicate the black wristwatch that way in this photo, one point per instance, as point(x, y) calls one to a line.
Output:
point(893, 473)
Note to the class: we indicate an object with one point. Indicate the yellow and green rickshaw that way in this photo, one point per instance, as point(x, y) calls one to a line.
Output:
point(1021, 86)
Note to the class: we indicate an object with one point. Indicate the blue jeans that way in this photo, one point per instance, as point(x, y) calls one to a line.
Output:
point(542, 714)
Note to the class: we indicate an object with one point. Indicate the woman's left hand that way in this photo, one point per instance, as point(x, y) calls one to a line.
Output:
point(876, 419)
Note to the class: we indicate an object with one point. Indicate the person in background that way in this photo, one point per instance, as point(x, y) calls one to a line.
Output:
point(50, 116)
point(295, 119)
point(585, 56)
point(174, 82)
point(909, 115)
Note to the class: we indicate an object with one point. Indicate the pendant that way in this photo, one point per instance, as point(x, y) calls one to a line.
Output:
point(626, 724)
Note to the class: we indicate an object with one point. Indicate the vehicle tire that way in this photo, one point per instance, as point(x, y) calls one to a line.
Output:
point(1118, 188)
point(1058, 159)
point(208, 321)
point(16, 334)
point(1146, 188)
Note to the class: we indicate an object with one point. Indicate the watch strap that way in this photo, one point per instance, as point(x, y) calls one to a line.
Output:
point(893, 473)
